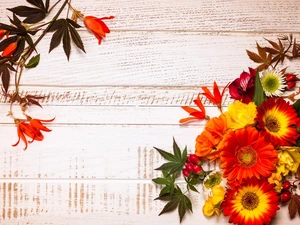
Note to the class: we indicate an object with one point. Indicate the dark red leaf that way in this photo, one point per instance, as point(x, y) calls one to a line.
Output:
point(37, 3)
point(76, 38)
point(67, 43)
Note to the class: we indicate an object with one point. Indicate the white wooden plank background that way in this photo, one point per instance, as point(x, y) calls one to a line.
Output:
point(113, 104)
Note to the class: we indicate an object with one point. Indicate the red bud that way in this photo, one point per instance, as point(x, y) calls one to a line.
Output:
point(291, 84)
point(290, 77)
point(10, 49)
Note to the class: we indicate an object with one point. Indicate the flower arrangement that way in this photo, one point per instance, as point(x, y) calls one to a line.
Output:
point(255, 145)
point(18, 47)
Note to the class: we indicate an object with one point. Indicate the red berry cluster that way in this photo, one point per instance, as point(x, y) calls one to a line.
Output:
point(285, 193)
point(192, 165)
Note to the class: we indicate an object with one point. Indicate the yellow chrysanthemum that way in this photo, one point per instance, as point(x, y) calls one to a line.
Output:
point(241, 115)
point(254, 202)
point(273, 82)
point(289, 160)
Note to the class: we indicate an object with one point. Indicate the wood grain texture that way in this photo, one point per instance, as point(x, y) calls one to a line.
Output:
point(95, 202)
point(115, 103)
point(149, 59)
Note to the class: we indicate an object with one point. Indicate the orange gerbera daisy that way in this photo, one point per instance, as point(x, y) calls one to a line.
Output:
point(246, 153)
point(277, 120)
point(254, 202)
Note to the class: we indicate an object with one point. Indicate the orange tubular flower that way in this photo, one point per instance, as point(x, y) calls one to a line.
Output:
point(196, 114)
point(23, 129)
point(37, 124)
point(215, 98)
point(10, 49)
point(97, 26)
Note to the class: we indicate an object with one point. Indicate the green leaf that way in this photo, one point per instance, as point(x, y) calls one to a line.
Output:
point(161, 180)
point(170, 206)
point(181, 210)
point(165, 197)
point(176, 150)
point(192, 187)
point(259, 95)
point(169, 166)
point(184, 155)
point(168, 189)
point(297, 106)
point(33, 62)
point(166, 155)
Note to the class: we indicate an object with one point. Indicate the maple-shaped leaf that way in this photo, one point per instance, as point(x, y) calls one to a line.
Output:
point(5, 70)
point(32, 14)
point(176, 160)
point(64, 29)
point(294, 206)
point(262, 57)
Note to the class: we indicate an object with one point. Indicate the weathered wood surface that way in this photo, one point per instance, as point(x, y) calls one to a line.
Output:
point(113, 104)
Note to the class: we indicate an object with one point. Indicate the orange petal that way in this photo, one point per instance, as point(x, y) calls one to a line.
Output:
point(217, 95)
point(209, 95)
point(189, 109)
point(184, 120)
point(199, 103)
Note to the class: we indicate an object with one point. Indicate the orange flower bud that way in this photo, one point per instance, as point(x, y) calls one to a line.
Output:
point(97, 26)
point(10, 49)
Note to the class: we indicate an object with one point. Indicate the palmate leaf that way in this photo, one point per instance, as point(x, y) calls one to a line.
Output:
point(32, 14)
point(65, 30)
point(176, 160)
point(176, 200)
point(5, 70)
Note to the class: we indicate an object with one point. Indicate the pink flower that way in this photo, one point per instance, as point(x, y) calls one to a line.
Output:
point(242, 88)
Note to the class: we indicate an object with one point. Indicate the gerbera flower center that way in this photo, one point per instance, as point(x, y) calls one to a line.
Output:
point(272, 124)
point(250, 200)
point(246, 156)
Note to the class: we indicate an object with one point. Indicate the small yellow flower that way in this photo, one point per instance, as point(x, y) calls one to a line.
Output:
point(276, 179)
point(287, 163)
point(209, 208)
point(240, 115)
point(218, 194)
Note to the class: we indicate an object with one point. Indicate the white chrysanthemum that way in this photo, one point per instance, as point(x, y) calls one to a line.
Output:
point(273, 82)
point(211, 180)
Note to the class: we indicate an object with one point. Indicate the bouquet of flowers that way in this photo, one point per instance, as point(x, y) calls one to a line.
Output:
point(255, 145)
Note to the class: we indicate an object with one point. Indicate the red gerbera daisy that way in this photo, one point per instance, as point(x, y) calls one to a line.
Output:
point(277, 120)
point(254, 202)
point(247, 154)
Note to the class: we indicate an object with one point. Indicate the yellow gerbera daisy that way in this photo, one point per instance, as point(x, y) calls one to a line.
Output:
point(277, 120)
point(254, 202)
